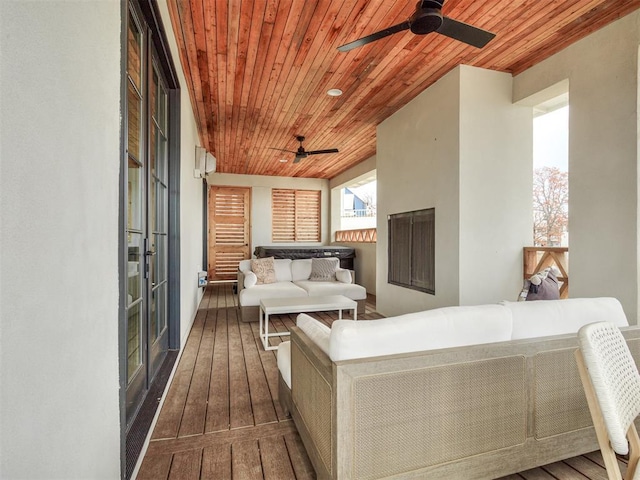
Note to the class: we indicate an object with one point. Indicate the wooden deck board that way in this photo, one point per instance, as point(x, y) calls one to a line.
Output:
point(218, 404)
point(222, 419)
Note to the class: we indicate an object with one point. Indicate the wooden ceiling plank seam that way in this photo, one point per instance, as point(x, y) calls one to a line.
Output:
point(222, 55)
point(290, 86)
point(243, 56)
point(283, 30)
point(254, 32)
point(293, 62)
point(214, 93)
point(197, 17)
point(179, 32)
point(233, 34)
point(263, 46)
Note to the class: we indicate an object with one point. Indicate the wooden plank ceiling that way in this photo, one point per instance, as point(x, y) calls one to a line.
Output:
point(258, 70)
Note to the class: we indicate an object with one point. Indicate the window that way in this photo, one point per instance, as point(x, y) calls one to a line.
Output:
point(412, 250)
point(296, 215)
point(551, 172)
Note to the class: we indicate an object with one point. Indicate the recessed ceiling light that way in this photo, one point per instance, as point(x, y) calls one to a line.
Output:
point(334, 92)
point(283, 160)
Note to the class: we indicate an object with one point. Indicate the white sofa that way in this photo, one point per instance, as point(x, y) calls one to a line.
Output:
point(456, 392)
point(292, 280)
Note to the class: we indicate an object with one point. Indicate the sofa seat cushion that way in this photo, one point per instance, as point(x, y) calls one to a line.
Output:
point(251, 296)
point(543, 318)
point(414, 332)
point(284, 361)
point(333, 287)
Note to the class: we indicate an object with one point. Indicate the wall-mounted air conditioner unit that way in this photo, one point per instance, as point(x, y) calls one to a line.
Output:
point(205, 163)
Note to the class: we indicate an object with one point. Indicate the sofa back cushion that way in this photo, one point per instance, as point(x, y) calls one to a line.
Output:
point(543, 318)
point(283, 269)
point(414, 332)
point(301, 269)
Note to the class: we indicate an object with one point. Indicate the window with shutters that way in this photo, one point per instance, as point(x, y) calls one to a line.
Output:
point(296, 215)
point(412, 250)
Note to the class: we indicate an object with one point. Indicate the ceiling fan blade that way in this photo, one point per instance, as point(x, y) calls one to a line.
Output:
point(318, 152)
point(299, 157)
point(465, 33)
point(375, 36)
point(282, 150)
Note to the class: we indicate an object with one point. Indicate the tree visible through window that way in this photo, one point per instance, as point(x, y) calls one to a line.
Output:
point(295, 215)
point(550, 206)
point(550, 173)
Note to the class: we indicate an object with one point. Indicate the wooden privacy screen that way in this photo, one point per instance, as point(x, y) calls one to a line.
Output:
point(295, 215)
point(229, 230)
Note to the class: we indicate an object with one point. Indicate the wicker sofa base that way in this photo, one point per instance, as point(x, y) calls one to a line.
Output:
point(475, 412)
point(251, 313)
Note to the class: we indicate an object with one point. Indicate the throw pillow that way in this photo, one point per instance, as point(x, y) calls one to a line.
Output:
point(265, 270)
point(343, 275)
point(323, 269)
point(547, 289)
point(250, 279)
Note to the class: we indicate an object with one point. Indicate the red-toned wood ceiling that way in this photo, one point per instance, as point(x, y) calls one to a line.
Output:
point(258, 70)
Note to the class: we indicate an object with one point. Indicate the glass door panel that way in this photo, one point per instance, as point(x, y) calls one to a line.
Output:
point(136, 175)
point(158, 223)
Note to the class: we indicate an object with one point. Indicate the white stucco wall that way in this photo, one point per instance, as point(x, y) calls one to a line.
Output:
point(602, 70)
point(261, 186)
point(59, 178)
point(462, 147)
point(496, 145)
point(191, 214)
point(417, 168)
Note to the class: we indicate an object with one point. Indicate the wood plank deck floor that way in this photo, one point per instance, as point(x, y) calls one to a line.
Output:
point(221, 418)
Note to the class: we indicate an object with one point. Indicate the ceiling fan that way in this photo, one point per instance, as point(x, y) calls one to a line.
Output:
point(428, 18)
point(302, 153)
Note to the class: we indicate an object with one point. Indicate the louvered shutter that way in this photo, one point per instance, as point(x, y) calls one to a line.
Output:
point(295, 215)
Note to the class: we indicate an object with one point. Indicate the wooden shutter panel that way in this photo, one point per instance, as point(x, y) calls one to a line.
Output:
point(295, 215)
point(307, 215)
point(283, 224)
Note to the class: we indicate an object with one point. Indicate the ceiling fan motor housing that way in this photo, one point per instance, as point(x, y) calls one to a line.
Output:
point(426, 20)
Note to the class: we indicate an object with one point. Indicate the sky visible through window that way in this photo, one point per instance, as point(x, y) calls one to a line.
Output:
point(551, 140)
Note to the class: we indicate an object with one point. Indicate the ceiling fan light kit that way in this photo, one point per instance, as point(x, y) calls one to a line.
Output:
point(426, 19)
